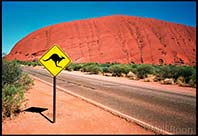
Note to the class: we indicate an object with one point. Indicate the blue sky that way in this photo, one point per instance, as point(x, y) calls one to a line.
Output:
point(21, 18)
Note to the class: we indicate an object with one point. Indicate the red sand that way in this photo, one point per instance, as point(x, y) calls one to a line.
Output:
point(74, 116)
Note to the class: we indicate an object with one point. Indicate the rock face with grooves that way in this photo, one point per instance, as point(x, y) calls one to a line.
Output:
point(118, 38)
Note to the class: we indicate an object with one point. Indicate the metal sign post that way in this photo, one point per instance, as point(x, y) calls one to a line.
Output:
point(54, 99)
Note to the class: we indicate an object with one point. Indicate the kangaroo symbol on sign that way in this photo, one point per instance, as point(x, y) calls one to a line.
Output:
point(55, 58)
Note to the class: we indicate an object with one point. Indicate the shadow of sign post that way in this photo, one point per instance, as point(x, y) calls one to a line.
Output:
point(38, 110)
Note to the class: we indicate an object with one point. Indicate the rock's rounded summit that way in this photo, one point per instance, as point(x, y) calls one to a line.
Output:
point(117, 38)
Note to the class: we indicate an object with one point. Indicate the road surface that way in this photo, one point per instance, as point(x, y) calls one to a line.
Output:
point(169, 111)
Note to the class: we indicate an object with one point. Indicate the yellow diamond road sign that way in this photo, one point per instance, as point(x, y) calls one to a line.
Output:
point(55, 60)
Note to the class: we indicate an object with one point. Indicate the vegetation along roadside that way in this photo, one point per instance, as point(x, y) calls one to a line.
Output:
point(14, 84)
point(166, 74)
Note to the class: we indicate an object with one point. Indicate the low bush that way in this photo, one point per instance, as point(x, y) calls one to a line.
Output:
point(143, 70)
point(133, 66)
point(186, 72)
point(25, 82)
point(176, 72)
point(14, 83)
point(11, 72)
point(192, 81)
point(12, 99)
point(168, 71)
point(118, 69)
point(105, 69)
point(74, 67)
point(92, 68)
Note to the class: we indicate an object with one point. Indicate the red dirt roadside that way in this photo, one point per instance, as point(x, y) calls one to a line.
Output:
point(73, 116)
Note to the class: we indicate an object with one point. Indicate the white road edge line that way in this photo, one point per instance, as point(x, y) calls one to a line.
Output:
point(114, 112)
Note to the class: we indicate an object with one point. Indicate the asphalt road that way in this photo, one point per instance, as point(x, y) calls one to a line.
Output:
point(172, 112)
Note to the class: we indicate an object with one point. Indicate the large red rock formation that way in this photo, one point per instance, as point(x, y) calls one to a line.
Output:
point(117, 38)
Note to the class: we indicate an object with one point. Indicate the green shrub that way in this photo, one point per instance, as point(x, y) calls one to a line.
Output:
point(133, 68)
point(25, 82)
point(186, 72)
point(14, 83)
point(93, 68)
point(75, 67)
point(144, 69)
point(11, 72)
point(86, 66)
point(192, 81)
point(105, 69)
point(168, 71)
point(12, 99)
point(118, 69)
point(172, 71)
